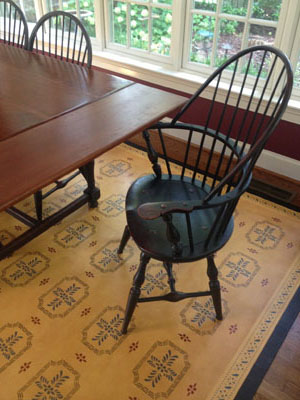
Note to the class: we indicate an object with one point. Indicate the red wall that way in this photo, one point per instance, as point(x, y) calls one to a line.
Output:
point(285, 139)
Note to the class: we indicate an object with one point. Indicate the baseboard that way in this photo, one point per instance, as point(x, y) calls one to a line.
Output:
point(266, 183)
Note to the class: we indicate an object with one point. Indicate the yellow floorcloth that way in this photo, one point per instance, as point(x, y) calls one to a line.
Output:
point(62, 300)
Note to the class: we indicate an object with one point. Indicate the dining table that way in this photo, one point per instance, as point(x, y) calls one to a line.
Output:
point(56, 117)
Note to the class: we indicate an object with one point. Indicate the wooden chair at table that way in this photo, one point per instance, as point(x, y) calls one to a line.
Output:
point(61, 35)
point(13, 25)
point(184, 214)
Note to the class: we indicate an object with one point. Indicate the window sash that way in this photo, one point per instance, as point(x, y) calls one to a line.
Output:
point(287, 33)
point(127, 48)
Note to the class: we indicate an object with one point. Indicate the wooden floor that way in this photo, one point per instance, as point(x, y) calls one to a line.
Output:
point(282, 381)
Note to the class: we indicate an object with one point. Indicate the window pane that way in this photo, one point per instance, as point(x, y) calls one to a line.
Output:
point(139, 16)
point(27, 6)
point(297, 74)
point(163, 1)
point(53, 5)
point(119, 26)
point(260, 34)
point(87, 16)
point(266, 9)
point(210, 5)
point(235, 7)
point(255, 64)
point(229, 40)
point(161, 31)
point(85, 11)
point(202, 38)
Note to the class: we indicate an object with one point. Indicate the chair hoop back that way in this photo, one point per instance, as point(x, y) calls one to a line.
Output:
point(13, 25)
point(62, 35)
point(259, 82)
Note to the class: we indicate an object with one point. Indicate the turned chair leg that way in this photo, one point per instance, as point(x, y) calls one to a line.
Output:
point(214, 286)
point(124, 240)
point(135, 291)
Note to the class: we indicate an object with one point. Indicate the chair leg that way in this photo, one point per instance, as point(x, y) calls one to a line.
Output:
point(124, 240)
point(214, 286)
point(135, 291)
point(171, 281)
point(38, 201)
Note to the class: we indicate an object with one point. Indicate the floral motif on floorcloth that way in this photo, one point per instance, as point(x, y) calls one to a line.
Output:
point(25, 269)
point(113, 206)
point(265, 235)
point(156, 281)
point(107, 258)
point(161, 369)
point(15, 339)
point(74, 234)
point(55, 381)
point(238, 269)
point(200, 316)
point(63, 297)
point(103, 334)
point(115, 168)
point(5, 237)
point(76, 189)
point(48, 208)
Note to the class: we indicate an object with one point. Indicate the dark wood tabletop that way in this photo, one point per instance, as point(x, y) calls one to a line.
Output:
point(36, 88)
point(56, 116)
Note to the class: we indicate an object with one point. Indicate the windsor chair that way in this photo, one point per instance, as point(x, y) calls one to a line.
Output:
point(188, 216)
point(13, 25)
point(61, 35)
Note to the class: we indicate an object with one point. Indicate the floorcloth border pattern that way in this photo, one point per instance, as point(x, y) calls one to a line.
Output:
point(268, 354)
point(256, 340)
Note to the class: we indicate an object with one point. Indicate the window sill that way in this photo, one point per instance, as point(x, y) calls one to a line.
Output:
point(183, 81)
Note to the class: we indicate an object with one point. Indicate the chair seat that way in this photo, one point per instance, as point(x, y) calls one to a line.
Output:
point(150, 235)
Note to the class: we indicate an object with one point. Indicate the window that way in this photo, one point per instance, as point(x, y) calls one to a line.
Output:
point(184, 36)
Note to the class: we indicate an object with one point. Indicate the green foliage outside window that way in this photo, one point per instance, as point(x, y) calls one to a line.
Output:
point(139, 28)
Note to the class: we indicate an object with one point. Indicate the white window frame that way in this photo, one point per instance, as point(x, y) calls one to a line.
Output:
point(176, 71)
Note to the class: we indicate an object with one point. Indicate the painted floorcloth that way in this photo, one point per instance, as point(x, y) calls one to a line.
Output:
point(62, 300)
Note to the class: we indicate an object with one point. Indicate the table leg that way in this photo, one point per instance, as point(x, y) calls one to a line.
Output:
point(93, 192)
point(37, 226)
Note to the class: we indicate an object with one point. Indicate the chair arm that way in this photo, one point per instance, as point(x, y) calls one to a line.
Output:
point(149, 211)
point(154, 210)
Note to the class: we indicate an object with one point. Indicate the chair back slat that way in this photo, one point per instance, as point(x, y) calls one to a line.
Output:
point(14, 30)
point(165, 153)
point(67, 38)
point(190, 232)
point(212, 104)
point(187, 150)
